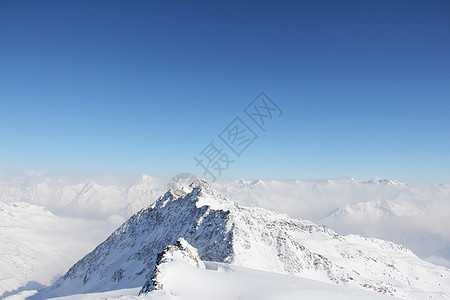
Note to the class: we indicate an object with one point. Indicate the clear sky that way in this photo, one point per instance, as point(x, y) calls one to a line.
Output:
point(130, 87)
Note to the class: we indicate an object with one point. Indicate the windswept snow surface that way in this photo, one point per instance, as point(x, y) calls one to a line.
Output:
point(186, 282)
point(228, 282)
point(186, 276)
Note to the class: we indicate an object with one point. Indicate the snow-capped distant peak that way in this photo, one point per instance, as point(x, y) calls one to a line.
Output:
point(257, 182)
point(246, 183)
point(145, 178)
point(380, 180)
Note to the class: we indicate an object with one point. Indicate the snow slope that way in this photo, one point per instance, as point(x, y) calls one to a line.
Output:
point(225, 232)
point(183, 281)
point(36, 246)
point(180, 274)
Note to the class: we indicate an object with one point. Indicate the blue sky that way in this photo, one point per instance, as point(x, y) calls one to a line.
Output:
point(130, 87)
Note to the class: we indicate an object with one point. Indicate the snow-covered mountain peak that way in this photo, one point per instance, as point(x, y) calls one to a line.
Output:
point(201, 184)
point(199, 191)
point(247, 183)
point(257, 182)
point(145, 178)
point(182, 181)
point(225, 232)
point(384, 181)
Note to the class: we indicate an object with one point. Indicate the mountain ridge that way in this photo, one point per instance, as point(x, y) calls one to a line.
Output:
point(222, 231)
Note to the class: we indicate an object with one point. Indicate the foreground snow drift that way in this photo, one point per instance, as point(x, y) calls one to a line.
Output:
point(180, 274)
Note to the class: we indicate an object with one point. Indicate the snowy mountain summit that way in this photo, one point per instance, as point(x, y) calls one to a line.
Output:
point(203, 226)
